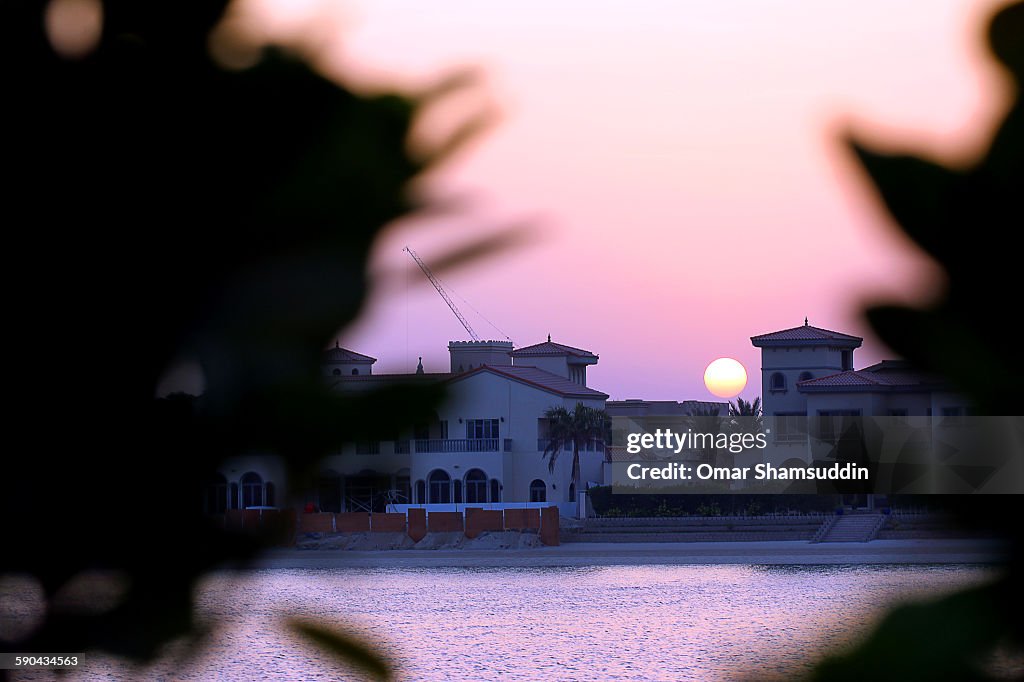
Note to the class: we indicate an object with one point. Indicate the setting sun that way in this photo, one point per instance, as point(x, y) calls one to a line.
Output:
point(725, 378)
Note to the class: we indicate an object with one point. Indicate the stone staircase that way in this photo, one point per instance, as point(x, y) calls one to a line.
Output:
point(851, 528)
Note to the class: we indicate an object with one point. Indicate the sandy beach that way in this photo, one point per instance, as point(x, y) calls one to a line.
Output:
point(945, 551)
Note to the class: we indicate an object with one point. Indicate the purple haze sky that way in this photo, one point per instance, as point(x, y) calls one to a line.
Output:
point(681, 164)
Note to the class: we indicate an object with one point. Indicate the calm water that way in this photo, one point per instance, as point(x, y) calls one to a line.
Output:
point(612, 622)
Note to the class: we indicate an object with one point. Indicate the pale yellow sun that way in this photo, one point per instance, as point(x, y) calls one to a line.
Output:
point(725, 378)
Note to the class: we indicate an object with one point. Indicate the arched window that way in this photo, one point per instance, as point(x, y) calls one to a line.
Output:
point(805, 376)
point(355, 372)
point(495, 490)
point(778, 382)
point(421, 492)
point(336, 372)
point(476, 486)
point(215, 494)
point(538, 491)
point(440, 487)
point(252, 490)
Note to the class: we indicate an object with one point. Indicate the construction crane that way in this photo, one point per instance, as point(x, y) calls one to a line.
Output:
point(444, 294)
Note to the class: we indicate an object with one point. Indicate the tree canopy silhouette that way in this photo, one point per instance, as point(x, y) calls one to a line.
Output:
point(158, 206)
point(966, 219)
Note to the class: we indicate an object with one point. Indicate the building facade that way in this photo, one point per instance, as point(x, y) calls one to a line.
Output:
point(483, 446)
point(811, 390)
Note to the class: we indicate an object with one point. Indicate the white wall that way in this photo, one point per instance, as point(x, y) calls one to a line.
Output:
point(916, 404)
point(791, 362)
point(271, 468)
point(488, 396)
point(345, 368)
point(556, 364)
point(868, 403)
point(467, 355)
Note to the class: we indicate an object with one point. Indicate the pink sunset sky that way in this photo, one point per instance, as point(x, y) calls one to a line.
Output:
point(680, 165)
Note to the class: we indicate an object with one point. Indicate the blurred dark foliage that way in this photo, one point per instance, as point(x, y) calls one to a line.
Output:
point(154, 206)
point(348, 650)
point(969, 221)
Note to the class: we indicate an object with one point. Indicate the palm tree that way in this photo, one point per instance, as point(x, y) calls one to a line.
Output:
point(572, 427)
point(706, 419)
point(751, 411)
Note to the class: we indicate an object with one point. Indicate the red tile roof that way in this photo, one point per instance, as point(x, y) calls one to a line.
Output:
point(850, 378)
point(806, 335)
point(538, 378)
point(365, 382)
point(339, 355)
point(551, 348)
point(876, 377)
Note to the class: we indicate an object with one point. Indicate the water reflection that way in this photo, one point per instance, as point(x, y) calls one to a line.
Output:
point(606, 622)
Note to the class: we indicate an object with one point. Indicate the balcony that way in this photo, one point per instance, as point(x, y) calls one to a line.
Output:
point(445, 445)
point(592, 445)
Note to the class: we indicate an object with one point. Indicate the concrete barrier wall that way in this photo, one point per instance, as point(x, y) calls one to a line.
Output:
point(481, 520)
point(522, 519)
point(281, 526)
point(352, 522)
point(271, 526)
point(290, 523)
point(251, 520)
point(233, 520)
point(316, 523)
point(417, 524)
point(277, 526)
point(549, 526)
point(387, 523)
point(445, 522)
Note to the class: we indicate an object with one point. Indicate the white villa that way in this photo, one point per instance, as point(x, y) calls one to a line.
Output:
point(810, 385)
point(483, 446)
point(807, 371)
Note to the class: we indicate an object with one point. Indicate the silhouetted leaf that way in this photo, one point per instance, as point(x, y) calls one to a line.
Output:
point(345, 648)
point(941, 640)
point(967, 220)
point(477, 249)
point(918, 193)
point(168, 208)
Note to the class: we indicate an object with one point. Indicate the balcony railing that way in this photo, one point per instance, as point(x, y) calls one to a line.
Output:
point(458, 445)
point(592, 445)
point(368, 448)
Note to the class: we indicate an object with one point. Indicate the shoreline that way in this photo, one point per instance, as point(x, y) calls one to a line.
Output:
point(795, 553)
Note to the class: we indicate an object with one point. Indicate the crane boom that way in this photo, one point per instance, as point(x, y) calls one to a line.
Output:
point(444, 294)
